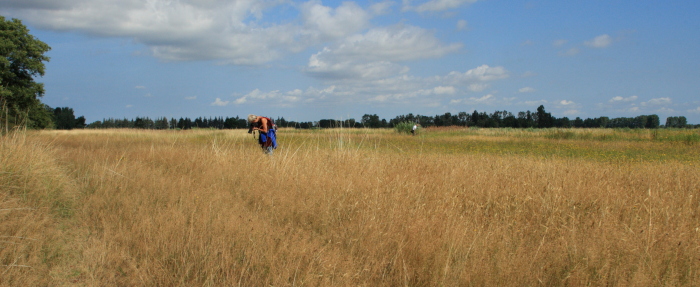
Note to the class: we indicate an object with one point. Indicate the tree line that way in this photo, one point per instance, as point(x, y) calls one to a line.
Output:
point(498, 119)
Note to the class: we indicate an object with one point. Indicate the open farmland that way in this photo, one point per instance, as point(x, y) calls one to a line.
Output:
point(351, 207)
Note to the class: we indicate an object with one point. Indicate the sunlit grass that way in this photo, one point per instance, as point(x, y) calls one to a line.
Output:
point(590, 144)
point(351, 207)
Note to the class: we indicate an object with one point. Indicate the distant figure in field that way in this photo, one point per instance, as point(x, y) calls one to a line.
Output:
point(413, 131)
point(267, 130)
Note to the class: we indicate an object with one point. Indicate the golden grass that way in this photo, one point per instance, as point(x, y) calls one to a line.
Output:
point(347, 208)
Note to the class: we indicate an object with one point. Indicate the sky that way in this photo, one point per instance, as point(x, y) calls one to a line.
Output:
point(312, 60)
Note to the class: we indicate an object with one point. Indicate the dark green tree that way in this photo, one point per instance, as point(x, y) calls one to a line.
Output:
point(64, 118)
point(653, 122)
point(371, 121)
point(676, 122)
point(544, 119)
point(21, 59)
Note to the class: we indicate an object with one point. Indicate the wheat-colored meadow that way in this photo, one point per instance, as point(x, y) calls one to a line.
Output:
point(350, 207)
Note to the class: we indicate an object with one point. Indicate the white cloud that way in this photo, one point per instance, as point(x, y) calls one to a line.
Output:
point(559, 43)
point(373, 55)
point(526, 90)
point(621, 99)
point(665, 110)
point(482, 73)
point(462, 25)
point(484, 99)
point(325, 23)
point(129, 106)
point(477, 87)
point(570, 52)
point(566, 103)
point(695, 111)
point(140, 87)
point(601, 41)
point(231, 32)
point(275, 98)
point(381, 8)
point(657, 102)
point(437, 5)
point(444, 90)
point(220, 103)
point(489, 99)
point(191, 98)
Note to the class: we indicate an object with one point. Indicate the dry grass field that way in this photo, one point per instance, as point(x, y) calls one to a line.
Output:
point(347, 207)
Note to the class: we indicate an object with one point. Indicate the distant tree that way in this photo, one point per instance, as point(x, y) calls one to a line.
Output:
point(41, 117)
point(139, 123)
point(544, 119)
point(563, 122)
point(463, 118)
point(80, 122)
point(371, 121)
point(653, 122)
point(21, 59)
point(162, 124)
point(676, 122)
point(64, 118)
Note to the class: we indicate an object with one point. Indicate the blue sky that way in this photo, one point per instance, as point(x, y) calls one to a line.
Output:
point(311, 60)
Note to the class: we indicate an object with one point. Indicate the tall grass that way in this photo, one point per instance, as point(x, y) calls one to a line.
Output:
point(349, 207)
point(36, 210)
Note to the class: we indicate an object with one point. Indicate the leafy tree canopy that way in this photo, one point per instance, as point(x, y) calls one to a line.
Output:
point(21, 59)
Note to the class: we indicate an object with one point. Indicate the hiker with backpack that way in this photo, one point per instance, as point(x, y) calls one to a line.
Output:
point(267, 132)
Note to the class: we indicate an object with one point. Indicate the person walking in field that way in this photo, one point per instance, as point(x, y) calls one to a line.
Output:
point(267, 132)
point(413, 131)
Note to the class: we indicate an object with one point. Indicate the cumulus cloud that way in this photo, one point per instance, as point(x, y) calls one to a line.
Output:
point(275, 97)
point(695, 111)
point(231, 32)
point(462, 25)
point(559, 43)
point(621, 99)
point(601, 41)
point(381, 7)
point(441, 90)
point(657, 102)
point(526, 90)
point(477, 87)
point(375, 54)
point(487, 99)
point(397, 89)
point(436, 5)
point(483, 73)
point(527, 43)
point(325, 23)
point(570, 52)
point(566, 103)
point(220, 103)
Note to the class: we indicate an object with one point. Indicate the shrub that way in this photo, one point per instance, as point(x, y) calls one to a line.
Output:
point(404, 127)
